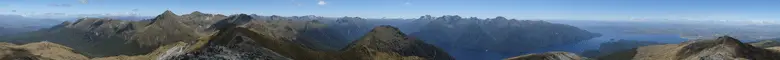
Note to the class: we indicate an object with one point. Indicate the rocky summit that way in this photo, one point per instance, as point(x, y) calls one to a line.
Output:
point(389, 40)
point(165, 28)
point(549, 56)
point(722, 48)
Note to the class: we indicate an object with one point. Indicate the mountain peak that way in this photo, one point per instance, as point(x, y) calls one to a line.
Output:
point(231, 21)
point(426, 17)
point(387, 29)
point(386, 38)
point(729, 40)
point(548, 56)
point(167, 15)
point(196, 13)
point(62, 25)
point(501, 18)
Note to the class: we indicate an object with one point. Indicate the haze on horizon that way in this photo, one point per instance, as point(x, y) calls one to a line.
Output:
point(519, 9)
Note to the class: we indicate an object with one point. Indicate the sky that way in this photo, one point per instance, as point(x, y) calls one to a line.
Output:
point(518, 9)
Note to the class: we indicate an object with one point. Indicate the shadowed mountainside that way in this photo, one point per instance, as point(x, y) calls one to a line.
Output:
point(15, 24)
point(304, 37)
point(383, 43)
point(505, 36)
point(97, 37)
point(386, 41)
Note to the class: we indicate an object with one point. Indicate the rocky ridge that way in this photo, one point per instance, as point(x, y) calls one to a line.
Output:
point(722, 48)
point(38, 51)
point(499, 34)
point(549, 56)
point(383, 42)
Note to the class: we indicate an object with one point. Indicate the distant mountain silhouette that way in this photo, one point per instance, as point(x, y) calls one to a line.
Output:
point(93, 37)
point(98, 37)
point(200, 35)
point(498, 34)
point(15, 24)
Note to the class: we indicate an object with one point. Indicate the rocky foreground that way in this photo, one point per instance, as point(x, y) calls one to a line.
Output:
point(549, 56)
point(722, 48)
point(38, 51)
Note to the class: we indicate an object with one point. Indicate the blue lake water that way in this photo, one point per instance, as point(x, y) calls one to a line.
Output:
point(578, 48)
point(592, 44)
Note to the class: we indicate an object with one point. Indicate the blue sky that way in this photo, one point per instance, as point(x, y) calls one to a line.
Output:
point(519, 9)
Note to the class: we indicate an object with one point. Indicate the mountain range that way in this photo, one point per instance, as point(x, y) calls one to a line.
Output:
point(509, 37)
point(13, 24)
point(202, 36)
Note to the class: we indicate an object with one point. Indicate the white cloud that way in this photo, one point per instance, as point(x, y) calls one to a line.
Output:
point(407, 3)
point(321, 2)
